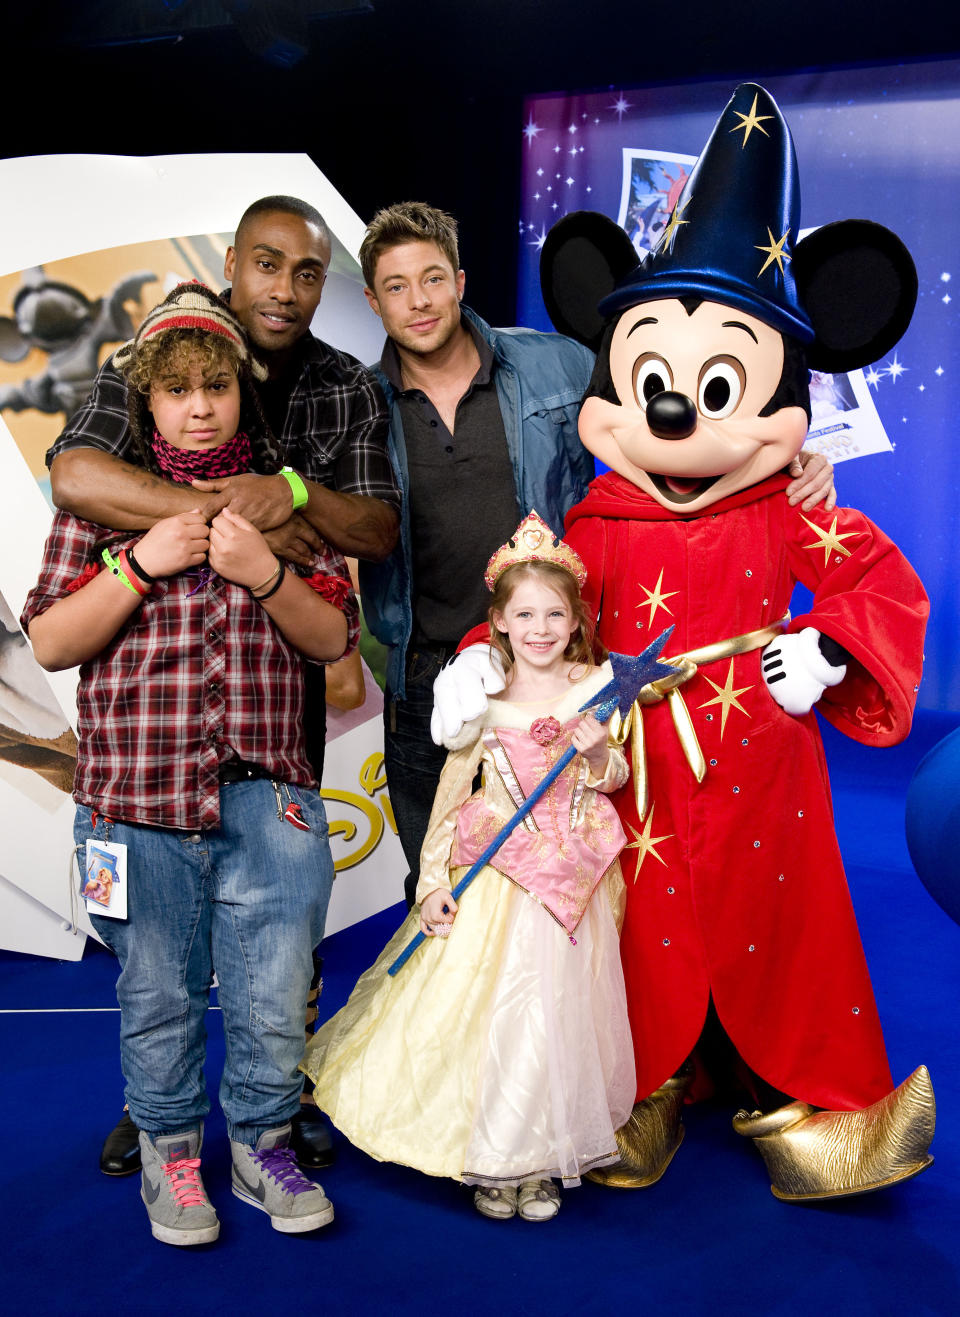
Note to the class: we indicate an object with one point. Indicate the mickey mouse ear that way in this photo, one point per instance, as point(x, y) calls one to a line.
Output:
point(583, 259)
point(13, 346)
point(858, 284)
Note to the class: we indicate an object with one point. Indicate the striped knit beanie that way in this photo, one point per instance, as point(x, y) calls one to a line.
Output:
point(191, 306)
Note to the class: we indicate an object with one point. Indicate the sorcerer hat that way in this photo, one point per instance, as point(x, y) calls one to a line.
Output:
point(736, 223)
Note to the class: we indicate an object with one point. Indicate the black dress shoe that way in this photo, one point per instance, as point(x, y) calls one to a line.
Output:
point(311, 1139)
point(120, 1154)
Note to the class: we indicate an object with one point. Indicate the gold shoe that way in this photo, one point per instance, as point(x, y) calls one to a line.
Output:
point(649, 1139)
point(814, 1154)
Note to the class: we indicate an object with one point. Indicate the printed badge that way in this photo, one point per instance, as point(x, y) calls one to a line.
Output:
point(104, 885)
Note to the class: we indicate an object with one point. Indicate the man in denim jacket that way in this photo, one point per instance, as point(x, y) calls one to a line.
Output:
point(483, 427)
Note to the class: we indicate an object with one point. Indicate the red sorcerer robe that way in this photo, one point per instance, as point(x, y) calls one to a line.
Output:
point(735, 885)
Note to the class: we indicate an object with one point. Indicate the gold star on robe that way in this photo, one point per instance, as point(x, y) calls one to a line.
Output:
point(774, 252)
point(726, 697)
point(644, 844)
point(673, 223)
point(829, 541)
point(655, 598)
point(750, 121)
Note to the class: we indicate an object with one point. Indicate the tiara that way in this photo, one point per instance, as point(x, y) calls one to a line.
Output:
point(534, 541)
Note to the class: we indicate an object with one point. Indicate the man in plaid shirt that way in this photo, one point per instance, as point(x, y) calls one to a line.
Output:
point(325, 408)
point(330, 417)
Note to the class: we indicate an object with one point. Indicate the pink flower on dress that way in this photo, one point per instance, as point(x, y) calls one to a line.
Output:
point(545, 730)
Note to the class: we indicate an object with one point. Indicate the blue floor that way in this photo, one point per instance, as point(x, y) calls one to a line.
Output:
point(708, 1239)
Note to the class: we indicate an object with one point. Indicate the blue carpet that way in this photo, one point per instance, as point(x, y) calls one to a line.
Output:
point(708, 1239)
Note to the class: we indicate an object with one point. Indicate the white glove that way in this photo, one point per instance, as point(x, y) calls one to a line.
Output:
point(796, 672)
point(461, 688)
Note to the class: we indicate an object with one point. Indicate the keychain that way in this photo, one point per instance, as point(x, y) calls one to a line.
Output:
point(293, 813)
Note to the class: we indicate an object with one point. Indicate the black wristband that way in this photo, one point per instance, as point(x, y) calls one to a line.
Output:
point(273, 589)
point(145, 577)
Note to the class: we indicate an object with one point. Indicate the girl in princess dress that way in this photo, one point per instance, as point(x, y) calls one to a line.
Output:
point(500, 1055)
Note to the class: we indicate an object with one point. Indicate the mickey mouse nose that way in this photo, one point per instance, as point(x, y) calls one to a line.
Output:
point(671, 415)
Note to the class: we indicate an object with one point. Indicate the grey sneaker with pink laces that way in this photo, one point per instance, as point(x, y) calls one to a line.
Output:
point(172, 1191)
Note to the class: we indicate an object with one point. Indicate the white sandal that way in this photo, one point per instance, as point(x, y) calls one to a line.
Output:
point(498, 1201)
point(538, 1200)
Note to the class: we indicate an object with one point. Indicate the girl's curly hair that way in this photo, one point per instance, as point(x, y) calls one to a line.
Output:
point(173, 353)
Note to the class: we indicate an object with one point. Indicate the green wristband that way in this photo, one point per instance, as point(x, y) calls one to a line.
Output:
point(116, 570)
point(297, 488)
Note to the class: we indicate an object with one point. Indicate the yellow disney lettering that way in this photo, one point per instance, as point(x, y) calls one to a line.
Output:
point(347, 829)
point(372, 774)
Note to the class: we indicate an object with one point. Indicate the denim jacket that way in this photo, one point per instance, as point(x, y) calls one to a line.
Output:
point(540, 381)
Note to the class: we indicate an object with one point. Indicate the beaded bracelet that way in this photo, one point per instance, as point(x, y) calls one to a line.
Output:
point(116, 569)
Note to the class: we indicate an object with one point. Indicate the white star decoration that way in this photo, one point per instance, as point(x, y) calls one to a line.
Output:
point(540, 239)
point(620, 106)
point(894, 368)
point(530, 131)
point(873, 377)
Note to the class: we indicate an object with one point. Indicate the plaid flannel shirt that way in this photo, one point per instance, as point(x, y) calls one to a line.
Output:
point(197, 676)
point(334, 431)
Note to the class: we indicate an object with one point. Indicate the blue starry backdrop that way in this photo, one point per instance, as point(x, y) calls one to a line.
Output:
point(877, 143)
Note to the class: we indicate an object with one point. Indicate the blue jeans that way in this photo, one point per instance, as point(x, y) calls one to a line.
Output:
point(412, 761)
point(247, 901)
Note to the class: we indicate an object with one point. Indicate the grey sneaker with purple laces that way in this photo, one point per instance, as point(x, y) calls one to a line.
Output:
point(267, 1177)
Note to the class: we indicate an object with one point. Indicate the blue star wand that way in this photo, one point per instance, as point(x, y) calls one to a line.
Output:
point(630, 674)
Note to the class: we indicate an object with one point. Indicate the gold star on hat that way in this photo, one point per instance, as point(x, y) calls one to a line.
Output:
point(774, 252)
point(749, 122)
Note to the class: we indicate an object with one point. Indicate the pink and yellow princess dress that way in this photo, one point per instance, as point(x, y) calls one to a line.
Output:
point(502, 1052)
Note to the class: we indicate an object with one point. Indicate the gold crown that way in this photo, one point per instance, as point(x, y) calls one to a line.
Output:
point(534, 541)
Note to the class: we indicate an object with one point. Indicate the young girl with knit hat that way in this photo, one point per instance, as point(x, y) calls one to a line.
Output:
point(499, 1055)
point(192, 640)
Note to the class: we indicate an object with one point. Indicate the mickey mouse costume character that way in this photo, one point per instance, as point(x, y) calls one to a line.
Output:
point(740, 933)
